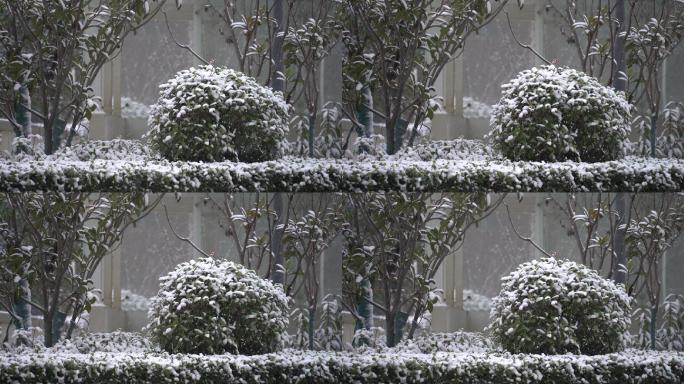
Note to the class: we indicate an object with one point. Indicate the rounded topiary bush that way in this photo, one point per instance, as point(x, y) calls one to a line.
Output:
point(210, 113)
point(552, 306)
point(557, 114)
point(212, 307)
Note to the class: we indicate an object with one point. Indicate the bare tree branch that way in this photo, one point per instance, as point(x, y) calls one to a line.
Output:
point(185, 239)
point(523, 238)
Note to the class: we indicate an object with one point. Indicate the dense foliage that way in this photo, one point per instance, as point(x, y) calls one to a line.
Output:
point(554, 307)
point(305, 175)
point(555, 114)
point(210, 306)
point(395, 53)
point(211, 113)
point(51, 53)
point(52, 244)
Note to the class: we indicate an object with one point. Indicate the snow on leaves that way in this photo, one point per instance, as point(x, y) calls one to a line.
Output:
point(343, 367)
point(555, 114)
point(210, 113)
point(554, 307)
point(210, 306)
point(323, 175)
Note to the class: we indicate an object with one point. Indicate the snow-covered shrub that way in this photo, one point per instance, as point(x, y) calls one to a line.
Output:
point(373, 338)
point(31, 147)
point(553, 306)
point(457, 149)
point(473, 301)
point(556, 114)
point(370, 147)
point(31, 341)
point(116, 342)
point(116, 149)
point(211, 113)
point(475, 109)
point(330, 137)
point(670, 133)
point(669, 334)
point(329, 332)
point(470, 342)
point(300, 339)
point(131, 301)
point(131, 108)
point(211, 306)
point(25, 340)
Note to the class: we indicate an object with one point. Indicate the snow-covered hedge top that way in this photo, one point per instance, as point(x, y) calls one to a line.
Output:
point(211, 113)
point(306, 175)
point(31, 149)
point(110, 342)
point(457, 149)
point(471, 342)
point(554, 306)
point(459, 165)
point(339, 367)
point(554, 113)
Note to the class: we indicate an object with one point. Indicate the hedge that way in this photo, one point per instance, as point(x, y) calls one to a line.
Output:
point(307, 175)
point(326, 367)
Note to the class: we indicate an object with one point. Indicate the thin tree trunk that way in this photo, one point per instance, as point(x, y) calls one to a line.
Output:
point(23, 308)
point(312, 128)
point(652, 328)
point(48, 319)
point(312, 321)
point(620, 83)
point(390, 319)
point(620, 266)
point(654, 127)
point(277, 82)
point(364, 308)
point(23, 113)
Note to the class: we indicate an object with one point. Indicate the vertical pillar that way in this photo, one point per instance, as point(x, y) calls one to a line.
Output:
point(321, 276)
point(452, 270)
point(538, 32)
point(108, 125)
point(107, 87)
point(452, 79)
point(196, 220)
point(444, 124)
point(107, 280)
point(663, 82)
point(116, 83)
point(116, 277)
point(458, 278)
point(196, 38)
point(663, 277)
point(537, 227)
point(321, 83)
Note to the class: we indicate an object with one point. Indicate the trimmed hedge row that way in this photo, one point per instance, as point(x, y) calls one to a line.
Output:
point(306, 175)
point(319, 367)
